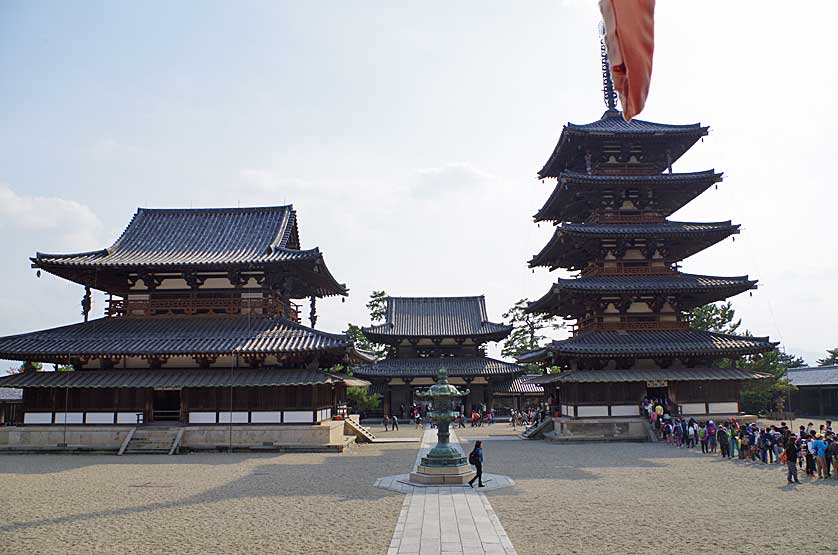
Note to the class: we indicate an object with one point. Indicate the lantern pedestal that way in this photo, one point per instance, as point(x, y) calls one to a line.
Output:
point(445, 463)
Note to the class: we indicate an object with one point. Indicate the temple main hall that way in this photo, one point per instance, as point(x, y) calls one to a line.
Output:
point(203, 326)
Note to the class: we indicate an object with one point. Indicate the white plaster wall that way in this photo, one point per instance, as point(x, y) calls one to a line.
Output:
point(126, 417)
point(99, 418)
point(730, 407)
point(202, 418)
point(298, 416)
point(625, 410)
point(266, 417)
point(37, 418)
point(69, 417)
point(591, 410)
point(692, 408)
point(237, 417)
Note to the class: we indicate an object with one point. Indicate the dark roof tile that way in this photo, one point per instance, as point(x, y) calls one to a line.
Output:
point(428, 367)
point(669, 374)
point(437, 317)
point(818, 375)
point(171, 378)
point(169, 336)
point(645, 344)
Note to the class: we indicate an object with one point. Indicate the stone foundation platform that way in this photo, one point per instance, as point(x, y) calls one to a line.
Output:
point(327, 436)
point(442, 475)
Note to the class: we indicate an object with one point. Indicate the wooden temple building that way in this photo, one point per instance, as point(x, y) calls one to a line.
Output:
point(816, 392)
point(201, 327)
point(423, 334)
point(615, 190)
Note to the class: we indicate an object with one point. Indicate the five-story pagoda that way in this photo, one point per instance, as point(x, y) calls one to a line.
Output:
point(615, 190)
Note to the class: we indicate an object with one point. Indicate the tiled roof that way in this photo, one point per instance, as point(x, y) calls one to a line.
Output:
point(818, 375)
point(171, 378)
point(575, 194)
point(206, 237)
point(692, 290)
point(167, 237)
point(437, 317)
point(677, 139)
point(668, 282)
point(683, 239)
point(519, 385)
point(612, 122)
point(655, 230)
point(428, 367)
point(645, 344)
point(10, 394)
point(169, 336)
point(669, 374)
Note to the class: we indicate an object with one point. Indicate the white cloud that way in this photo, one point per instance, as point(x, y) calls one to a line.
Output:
point(449, 178)
point(58, 222)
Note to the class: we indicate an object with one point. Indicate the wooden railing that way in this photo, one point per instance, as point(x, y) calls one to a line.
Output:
point(620, 218)
point(620, 270)
point(628, 326)
point(203, 306)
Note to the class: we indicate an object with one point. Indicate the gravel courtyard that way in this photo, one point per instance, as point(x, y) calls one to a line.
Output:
point(599, 498)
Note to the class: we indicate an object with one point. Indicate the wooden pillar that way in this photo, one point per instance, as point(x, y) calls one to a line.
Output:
point(820, 402)
point(149, 406)
point(184, 402)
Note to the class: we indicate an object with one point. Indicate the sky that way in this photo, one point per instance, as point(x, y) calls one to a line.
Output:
point(408, 137)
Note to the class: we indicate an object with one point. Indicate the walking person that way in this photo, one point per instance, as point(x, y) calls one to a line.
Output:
point(792, 452)
point(819, 451)
point(832, 452)
point(394, 421)
point(724, 441)
point(734, 441)
point(476, 458)
point(386, 421)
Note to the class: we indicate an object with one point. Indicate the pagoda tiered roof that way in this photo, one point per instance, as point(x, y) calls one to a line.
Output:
point(577, 195)
point(573, 245)
point(576, 139)
point(172, 240)
point(649, 344)
point(428, 367)
point(170, 336)
point(640, 375)
point(567, 296)
point(436, 317)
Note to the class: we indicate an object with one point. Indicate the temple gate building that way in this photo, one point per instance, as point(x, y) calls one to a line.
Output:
point(423, 334)
point(201, 327)
point(615, 190)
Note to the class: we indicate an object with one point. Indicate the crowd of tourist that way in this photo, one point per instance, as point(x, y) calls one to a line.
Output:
point(527, 418)
point(810, 450)
point(479, 416)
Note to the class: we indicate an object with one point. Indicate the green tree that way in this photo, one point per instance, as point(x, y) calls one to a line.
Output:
point(831, 359)
point(717, 317)
point(760, 395)
point(768, 394)
point(361, 399)
point(361, 342)
point(528, 329)
point(377, 307)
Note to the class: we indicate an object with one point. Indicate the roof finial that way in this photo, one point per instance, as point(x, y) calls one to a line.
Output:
point(607, 83)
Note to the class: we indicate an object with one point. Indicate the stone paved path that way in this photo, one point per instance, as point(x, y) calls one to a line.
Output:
point(443, 520)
